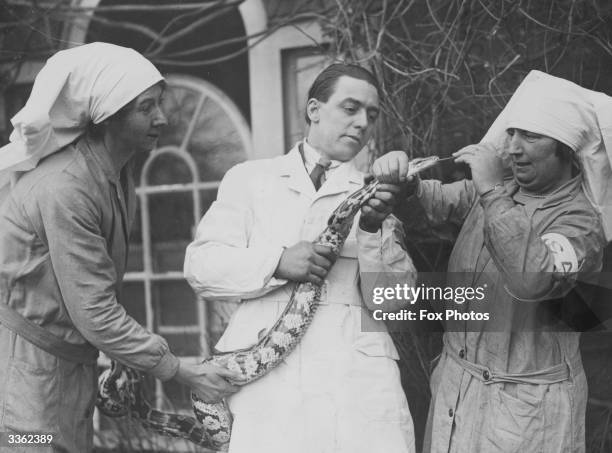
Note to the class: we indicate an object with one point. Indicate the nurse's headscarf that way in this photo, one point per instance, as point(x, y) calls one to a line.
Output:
point(579, 118)
point(77, 86)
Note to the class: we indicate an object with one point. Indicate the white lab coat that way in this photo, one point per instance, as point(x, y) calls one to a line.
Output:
point(339, 391)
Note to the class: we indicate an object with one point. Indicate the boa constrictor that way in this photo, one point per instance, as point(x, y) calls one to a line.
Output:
point(120, 390)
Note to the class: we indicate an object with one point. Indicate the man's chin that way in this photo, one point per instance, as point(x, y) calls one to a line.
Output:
point(345, 153)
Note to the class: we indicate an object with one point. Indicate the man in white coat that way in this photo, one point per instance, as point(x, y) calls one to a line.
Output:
point(339, 391)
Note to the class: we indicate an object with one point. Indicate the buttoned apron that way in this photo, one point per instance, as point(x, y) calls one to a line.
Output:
point(498, 412)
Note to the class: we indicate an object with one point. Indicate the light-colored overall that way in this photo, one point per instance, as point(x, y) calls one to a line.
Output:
point(508, 386)
point(339, 391)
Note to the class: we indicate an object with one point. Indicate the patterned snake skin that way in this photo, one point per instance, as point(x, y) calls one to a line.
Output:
point(120, 389)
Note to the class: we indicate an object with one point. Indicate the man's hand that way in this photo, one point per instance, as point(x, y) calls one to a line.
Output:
point(305, 262)
point(376, 210)
point(208, 381)
point(392, 167)
point(485, 163)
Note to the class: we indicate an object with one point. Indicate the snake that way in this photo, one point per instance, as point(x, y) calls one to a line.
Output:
point(120, 388)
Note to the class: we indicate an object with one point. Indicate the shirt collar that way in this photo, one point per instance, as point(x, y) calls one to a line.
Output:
point(312, 156)
point(292, 165)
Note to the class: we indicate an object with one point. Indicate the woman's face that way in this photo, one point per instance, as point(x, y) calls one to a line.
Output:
point(139, 127)
point(536, 165)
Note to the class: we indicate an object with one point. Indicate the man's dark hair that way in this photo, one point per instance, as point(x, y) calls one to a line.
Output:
point(325, 83)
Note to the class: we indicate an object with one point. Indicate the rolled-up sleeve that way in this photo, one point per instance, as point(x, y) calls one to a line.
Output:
point(68, 221)
point(221, 263)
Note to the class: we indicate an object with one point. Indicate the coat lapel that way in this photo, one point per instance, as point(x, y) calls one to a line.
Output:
point(345, 179)
point(292, 168)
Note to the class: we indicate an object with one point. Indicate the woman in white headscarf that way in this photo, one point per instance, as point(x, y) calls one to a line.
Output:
point(510, 383)
point(65, 218)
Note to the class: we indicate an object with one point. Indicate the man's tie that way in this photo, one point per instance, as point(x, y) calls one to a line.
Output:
point(317, 175)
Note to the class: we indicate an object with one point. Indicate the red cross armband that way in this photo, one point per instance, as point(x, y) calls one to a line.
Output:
point(563, 253)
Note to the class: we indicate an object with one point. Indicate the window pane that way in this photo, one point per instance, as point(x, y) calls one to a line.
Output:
point(219, 314)
point(168, 256)
point(168, 169)
point(171, 216)
point(185, 344)
point(215, 144)
point(133, 300)
point(179, 106)
point(176, 303)
point(135, 259)
point(206, 199)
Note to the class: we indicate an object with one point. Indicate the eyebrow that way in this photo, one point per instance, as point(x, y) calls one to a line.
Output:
point(525, 131)
point(150, 99)
point(358, 102)
point(145, 103)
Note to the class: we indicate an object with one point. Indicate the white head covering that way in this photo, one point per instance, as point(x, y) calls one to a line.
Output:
point(86, 83)
point(575, 116)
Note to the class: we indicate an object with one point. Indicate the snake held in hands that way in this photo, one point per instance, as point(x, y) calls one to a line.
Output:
point(120, 390)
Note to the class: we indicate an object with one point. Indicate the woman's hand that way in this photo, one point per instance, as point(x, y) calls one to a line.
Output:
point(485, 163)
point(209, 382)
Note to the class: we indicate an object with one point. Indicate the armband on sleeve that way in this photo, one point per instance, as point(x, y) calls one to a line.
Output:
point(563, 253)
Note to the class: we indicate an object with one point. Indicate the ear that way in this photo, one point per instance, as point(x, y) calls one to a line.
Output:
point(312, 110)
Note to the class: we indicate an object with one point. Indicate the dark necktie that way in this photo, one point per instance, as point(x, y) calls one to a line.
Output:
point(317, 175)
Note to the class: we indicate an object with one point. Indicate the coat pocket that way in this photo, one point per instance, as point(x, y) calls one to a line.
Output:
point(375, 344)
point(374, 380)
point(32, 398)
point(515, 421)
point(373, 390)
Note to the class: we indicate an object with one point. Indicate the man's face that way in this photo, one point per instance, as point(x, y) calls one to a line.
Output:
point(139, 128)
point(342, 126)
point(535, 164)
